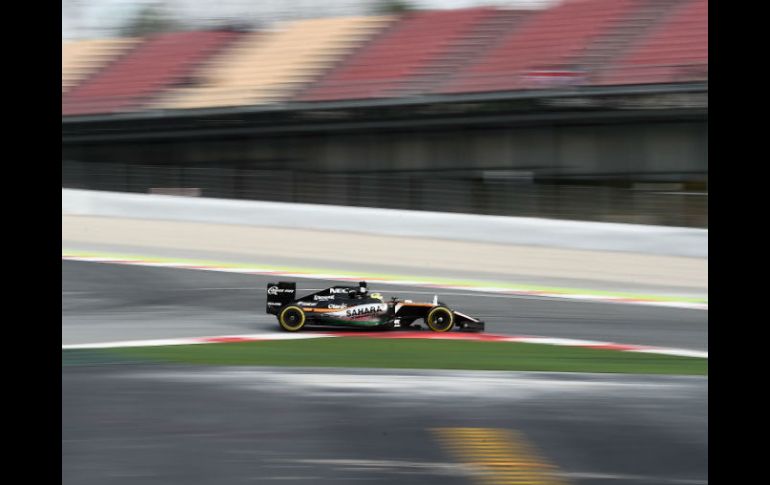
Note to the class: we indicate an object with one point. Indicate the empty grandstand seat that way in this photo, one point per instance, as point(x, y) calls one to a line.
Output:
point(421, 46)
point(270, 66)
point(152, 66)
point(80, 59)
point(675, 51)
point(583, 42)
point(552, 39)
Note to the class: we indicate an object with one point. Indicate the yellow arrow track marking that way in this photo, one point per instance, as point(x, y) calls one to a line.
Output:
point(503, 457)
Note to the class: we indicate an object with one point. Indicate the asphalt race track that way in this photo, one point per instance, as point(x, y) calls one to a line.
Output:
point(106, 302)
point(129, 423)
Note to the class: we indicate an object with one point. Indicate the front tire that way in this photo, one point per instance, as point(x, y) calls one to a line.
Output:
point(292, 318)
point(440, 319)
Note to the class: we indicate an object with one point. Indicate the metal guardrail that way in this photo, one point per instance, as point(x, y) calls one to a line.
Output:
point(497, 193)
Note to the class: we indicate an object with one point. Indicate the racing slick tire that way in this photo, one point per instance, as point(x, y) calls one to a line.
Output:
point(291, 318)
point(440, 319)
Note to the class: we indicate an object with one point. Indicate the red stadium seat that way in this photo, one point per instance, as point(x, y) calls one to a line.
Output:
point(675, 51)
point(551, 39)
point(156, 64)
point(576, 42)
point(410, 56)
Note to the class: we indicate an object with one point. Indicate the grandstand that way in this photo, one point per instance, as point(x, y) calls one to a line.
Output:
point(81, 59)
point(422, 49)
point(575, 43)
point(263, 67)
point(153, 66)
point(550, 42)
point(675, 51)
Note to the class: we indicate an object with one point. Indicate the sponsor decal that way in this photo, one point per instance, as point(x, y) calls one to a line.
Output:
point(365, 310)
point(340, 290)
point(307, 303)
point(273, 303)
point(336, 307)
point(323, 298)
point(274, 290)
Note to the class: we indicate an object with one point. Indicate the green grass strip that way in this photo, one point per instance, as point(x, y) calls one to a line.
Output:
point(412, 278)
point(418, 354)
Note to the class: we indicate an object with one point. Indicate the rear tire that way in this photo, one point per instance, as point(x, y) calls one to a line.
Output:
point(440, 319)
point(292, 318)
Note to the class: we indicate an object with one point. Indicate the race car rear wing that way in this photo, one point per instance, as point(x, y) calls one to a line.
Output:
point(279, 294)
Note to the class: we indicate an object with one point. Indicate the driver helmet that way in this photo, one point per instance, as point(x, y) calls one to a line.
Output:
point(376, 296)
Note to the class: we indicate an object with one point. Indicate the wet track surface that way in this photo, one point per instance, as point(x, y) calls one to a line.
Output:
point(128, 423)
point(105, 302)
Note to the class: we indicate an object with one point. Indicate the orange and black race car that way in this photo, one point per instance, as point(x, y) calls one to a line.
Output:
point(354, 306)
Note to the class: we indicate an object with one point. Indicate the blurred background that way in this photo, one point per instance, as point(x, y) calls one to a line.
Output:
point(583, 109)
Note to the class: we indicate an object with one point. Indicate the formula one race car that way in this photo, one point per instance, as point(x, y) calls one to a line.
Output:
point(356, 307)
